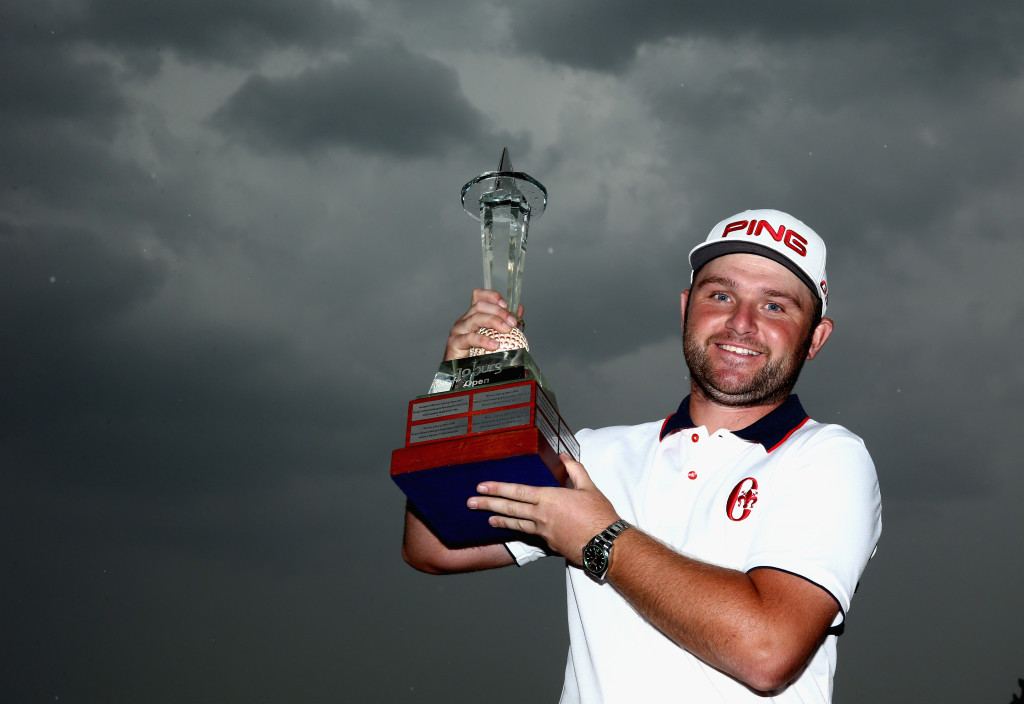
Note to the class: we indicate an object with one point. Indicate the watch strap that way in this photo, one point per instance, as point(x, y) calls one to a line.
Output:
point(604, 541)
point(608, 535)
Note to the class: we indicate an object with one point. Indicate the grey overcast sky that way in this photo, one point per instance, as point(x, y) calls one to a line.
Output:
point(231, 247)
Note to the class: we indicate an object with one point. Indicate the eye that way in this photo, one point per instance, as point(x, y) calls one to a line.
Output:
point(774, 307)
point(724, 298)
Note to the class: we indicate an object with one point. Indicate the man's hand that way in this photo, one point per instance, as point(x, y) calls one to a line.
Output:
point(488, 310)
point(565, 518)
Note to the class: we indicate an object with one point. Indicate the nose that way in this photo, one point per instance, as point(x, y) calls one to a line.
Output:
point(742, 321)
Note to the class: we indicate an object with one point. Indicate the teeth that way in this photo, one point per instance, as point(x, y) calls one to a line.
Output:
point(739, 350)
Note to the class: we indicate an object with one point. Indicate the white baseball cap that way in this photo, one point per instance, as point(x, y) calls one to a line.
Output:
point(772, 234)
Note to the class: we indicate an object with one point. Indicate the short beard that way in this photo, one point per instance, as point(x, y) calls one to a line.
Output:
point(771, 385)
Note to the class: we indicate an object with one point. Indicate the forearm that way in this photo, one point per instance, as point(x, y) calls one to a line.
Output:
point(720, 615)
point(422, 549)
point(760, 627)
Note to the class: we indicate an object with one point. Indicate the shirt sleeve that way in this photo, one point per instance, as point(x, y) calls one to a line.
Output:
point(824, 521)
point(524, 553)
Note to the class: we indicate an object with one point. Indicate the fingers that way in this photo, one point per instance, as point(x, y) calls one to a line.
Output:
point(486, 295)
point(509, 523)
point(503, 493)
point(459, 344)
point(487, 310)
point(565, 518)
point(514, 505)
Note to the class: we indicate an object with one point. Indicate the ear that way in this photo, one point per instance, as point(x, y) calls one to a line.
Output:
point(819, 336)
point(683, 298)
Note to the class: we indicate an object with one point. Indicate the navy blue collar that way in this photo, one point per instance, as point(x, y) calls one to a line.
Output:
point(771, 431)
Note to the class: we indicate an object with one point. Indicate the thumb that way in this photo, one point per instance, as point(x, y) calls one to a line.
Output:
point(577, 473)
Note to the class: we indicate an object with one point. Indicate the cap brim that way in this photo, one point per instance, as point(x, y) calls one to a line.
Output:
point(705, 253)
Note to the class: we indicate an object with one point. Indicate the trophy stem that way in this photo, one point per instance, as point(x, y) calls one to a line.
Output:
point(487, 243)
point(519, 222)
point(505, 213)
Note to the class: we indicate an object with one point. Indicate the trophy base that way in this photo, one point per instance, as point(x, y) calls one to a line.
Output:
point(440, 492)
point(502, 432)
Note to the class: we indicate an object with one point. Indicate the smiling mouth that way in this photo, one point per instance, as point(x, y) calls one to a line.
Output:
point(739, 350)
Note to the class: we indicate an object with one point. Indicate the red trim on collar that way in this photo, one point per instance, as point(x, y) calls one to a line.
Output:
point(770, 431)
point(786, 437)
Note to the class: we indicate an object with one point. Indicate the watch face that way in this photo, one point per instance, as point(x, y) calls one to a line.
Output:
point(595, 559)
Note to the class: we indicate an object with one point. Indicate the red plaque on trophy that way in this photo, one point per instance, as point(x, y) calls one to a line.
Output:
point(490, 416)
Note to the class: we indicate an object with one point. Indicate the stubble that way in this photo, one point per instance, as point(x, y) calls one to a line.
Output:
point(769, 385)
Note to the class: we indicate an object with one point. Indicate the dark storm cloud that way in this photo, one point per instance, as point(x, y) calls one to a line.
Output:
point(67, 168)
point(71, 289)
point(39, 265)
point(43, 83)
point(386, 100)
point(606, 35)
point(908, 161)
point(228, 31)
point(60, 115)
point(107, 389)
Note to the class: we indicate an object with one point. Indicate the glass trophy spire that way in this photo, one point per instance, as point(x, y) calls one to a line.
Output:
point(504, 201)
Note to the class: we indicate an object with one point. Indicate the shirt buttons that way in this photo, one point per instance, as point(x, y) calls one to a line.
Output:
point(692, 474)
point(695, 437)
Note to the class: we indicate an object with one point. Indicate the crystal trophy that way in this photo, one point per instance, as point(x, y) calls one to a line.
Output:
point(504, 202)
point(490, 416)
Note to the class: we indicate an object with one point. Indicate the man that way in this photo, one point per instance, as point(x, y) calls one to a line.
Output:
point(712, 555)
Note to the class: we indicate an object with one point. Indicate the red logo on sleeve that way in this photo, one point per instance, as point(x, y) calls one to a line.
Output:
point(742, 499)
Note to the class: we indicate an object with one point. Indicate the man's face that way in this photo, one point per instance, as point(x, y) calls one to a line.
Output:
point(747, 330)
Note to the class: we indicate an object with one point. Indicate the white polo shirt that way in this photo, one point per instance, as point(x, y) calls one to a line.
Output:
point(787, 493)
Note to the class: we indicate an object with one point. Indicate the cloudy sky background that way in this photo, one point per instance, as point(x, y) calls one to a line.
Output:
point(231, 247)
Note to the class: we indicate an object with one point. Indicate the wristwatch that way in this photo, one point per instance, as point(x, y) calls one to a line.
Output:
point(597, 553)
